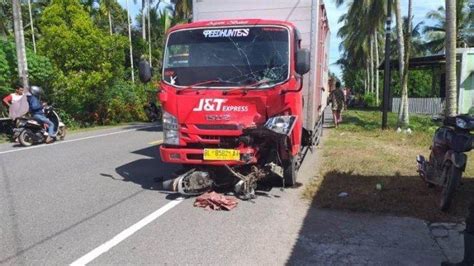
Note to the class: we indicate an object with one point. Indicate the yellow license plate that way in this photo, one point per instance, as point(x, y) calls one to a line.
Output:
point(221, 154)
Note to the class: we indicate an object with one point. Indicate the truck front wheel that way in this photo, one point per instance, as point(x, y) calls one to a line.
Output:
point(289, 171)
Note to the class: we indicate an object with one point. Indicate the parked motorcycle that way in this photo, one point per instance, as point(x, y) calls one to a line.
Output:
point(29, 131)
point(447, 159)
point(153, 112)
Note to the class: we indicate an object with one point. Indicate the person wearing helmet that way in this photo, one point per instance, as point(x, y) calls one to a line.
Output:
point(36, 110)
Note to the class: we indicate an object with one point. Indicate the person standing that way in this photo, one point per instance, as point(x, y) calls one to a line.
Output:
point(336, 99)
point(16, 102)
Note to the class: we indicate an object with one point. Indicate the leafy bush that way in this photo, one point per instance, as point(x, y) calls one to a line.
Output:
point(87, 62)
point(40, 69)
point(370, 100)
point(5, 74)
point(124, 102)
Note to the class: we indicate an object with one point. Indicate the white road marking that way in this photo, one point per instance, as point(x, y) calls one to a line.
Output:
point(74, 140)
point(125, 234)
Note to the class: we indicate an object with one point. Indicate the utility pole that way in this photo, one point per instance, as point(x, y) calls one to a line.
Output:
point(386, 85)
point(20, 43)
point(130, 41)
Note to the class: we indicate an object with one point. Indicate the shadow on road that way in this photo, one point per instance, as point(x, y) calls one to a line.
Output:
point(331, 236)
point(147, 172)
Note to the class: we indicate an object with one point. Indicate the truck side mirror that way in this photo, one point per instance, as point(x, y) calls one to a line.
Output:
point(303, 60)
point(144, 71)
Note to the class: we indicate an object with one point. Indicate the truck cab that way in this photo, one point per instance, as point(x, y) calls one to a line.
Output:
point(231, 94)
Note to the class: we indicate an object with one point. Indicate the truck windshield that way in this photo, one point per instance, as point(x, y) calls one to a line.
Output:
point(228, 56)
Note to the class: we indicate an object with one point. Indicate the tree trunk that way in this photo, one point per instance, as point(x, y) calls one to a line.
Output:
point(367, 73)
point(130, 41)
point(405, 113)
point(377, 63)
point(143, 20)
point(451, 83)
point(20, 43)
point(402, 115)
point(372, 76)
point(32, 27)
point(110, 22)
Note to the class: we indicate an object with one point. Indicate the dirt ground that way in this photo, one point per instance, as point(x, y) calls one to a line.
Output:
point(377, 170)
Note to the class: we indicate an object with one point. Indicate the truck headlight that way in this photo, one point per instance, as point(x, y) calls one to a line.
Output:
point(170, 129)
point(281, 124)
point(461, 123)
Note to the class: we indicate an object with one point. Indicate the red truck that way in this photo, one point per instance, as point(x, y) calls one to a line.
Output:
point(235, 102)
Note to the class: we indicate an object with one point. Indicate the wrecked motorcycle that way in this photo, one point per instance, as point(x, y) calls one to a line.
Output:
point(447, 159)
point(244, 179)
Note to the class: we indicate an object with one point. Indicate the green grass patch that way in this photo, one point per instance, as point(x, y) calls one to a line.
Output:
point(358, 155)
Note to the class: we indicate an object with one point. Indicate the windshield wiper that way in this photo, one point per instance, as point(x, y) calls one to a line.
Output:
point(245, 89)
point(192, 86)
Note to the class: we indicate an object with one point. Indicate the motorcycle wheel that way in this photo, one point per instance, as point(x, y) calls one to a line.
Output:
point(453, 177)
point(289, 171)
point(62, 133)
point(26, 138)
point(159, 115)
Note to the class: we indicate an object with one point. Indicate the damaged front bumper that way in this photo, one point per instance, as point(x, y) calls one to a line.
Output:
point(180, 155)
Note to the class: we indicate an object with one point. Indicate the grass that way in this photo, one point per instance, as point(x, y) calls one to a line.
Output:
point(358, 155)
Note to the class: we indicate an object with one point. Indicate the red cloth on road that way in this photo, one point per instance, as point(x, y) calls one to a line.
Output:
point(215, 201)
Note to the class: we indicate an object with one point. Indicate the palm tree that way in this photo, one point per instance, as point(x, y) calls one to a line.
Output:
point(183, 9)
point(451, 87)
point(20, 43)
point(5, 18)
point(403, 58)
point(436, 33)
point(107, 6)
point(360, 43)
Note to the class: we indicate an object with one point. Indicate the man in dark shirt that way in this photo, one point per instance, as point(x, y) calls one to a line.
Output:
point(36, 110)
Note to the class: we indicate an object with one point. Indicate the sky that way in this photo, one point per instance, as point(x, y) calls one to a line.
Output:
point(420, 9)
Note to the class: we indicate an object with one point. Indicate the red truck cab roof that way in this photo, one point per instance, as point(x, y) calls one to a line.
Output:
point(231, 22)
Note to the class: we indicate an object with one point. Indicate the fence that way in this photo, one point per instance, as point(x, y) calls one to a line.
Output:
point(420, 105)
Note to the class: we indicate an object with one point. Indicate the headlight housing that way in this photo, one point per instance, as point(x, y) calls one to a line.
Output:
point(461, 123)
point(170, 129)
point(281, 124)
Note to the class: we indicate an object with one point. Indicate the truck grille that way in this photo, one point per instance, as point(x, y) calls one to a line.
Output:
point(218, 127)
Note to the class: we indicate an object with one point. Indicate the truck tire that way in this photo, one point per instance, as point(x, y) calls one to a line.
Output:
point(289, 171)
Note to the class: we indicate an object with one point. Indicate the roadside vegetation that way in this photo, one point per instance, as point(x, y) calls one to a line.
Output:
point(358, 155)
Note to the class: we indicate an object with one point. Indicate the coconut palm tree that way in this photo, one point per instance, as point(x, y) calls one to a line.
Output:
point(451, 87)
point(403, 58)
point(360, 43)
point(183, 9)
point(436, 33)
point(5, 18)
point(106, 6)
point(20, 43)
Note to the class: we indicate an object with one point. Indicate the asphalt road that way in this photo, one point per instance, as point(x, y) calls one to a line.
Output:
point(94, 199)
point(60, 202)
